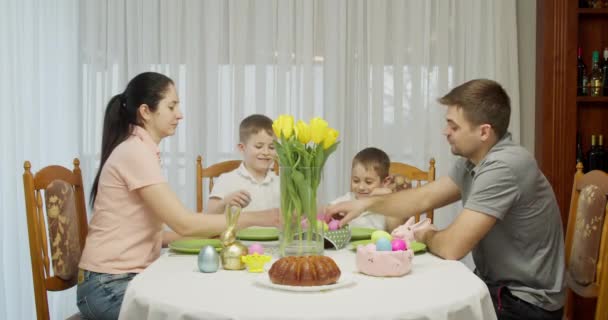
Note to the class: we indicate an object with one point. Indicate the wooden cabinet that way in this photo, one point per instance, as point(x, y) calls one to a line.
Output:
point(591, 34)
point(561, 28)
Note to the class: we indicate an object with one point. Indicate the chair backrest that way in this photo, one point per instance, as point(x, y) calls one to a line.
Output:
point(57, 228)
point(416, 177)
point(586, 241)
point(213, 172)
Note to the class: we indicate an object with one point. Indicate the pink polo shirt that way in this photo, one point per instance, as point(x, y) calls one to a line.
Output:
point(124, 236)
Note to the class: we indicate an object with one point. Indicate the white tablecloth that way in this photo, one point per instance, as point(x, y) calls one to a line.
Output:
point(173, 288)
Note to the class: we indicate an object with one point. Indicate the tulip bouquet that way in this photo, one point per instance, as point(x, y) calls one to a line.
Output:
point(302, 149)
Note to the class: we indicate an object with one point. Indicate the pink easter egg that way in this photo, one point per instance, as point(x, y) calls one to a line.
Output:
point(334, 225)
point(304, 223)
point(256, 248)
point(398, 245)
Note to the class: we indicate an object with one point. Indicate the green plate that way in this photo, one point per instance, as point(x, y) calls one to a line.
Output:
point(416, 246)
point(258, 234)
point(358, 233)
point(194, 245)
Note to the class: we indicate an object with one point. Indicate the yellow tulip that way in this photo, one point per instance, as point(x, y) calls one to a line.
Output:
point(276, 127)
point(287, 126)
point(330, 139)
point(303, 132)
point(318, 128)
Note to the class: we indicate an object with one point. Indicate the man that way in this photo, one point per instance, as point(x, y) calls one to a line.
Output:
point(510, 221)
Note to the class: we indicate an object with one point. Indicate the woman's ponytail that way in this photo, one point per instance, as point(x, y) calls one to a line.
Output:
point(116, 129)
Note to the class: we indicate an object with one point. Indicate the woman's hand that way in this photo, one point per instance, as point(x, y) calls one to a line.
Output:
point(380, 191)
point(263, 218)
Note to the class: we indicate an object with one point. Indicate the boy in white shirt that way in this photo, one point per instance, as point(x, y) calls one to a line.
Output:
point(369, 177)
point(253, 185)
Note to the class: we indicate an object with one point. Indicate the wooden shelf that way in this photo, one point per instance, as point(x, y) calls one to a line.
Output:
point(602, 99)
point(590, 11)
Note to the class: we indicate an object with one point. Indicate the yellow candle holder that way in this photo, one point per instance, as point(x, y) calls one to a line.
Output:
point(255, 262)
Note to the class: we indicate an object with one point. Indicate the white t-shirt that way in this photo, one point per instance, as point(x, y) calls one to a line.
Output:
point(367, 219)
point(264, 195)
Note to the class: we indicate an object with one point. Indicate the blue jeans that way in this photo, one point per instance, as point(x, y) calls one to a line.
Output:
point(99, 295)
point(508, 306)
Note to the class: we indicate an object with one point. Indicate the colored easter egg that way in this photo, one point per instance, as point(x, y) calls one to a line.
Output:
point(256, 248)
point(383, 244)
point(381, 234)
point(322, 225)
point(398, 245)
point(334, 225)
point(208, 259)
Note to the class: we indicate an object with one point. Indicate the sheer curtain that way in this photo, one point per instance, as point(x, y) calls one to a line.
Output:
point(373, 69)
point(41, 123)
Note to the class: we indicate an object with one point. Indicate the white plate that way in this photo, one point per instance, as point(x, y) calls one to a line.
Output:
point(345, 280)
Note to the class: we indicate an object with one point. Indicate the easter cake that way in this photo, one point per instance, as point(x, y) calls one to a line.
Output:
point(304, 271)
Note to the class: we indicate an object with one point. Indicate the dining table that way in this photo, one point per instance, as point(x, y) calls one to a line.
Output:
point(173, 288)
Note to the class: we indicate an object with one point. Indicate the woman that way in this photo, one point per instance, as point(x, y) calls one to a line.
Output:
point(132, 200)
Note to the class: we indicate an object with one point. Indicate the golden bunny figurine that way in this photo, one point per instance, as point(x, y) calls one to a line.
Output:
point(232, 250)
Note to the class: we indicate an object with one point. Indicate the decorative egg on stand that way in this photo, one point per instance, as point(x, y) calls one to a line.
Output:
point(208, 259)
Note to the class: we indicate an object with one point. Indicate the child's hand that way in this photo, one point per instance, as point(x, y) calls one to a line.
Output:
point(399, 182)
point(380, 191)
point(239, 198)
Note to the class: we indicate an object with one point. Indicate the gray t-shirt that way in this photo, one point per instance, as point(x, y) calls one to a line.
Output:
point(525, 249)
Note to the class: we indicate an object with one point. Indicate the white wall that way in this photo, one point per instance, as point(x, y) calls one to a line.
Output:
point(526, 38)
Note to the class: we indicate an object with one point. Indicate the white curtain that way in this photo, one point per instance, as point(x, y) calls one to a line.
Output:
point(372, 69)
point(40, 122)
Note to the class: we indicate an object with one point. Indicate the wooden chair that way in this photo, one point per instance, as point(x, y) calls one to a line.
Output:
point(57, 229)
point(213, 172)
point(415, 176)
point(587, 242)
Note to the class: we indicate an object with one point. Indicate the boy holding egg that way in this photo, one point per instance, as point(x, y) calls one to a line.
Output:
point(369, 177)
point(253, 185)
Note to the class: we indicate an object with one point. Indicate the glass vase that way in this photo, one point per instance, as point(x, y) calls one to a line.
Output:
point(300, 232)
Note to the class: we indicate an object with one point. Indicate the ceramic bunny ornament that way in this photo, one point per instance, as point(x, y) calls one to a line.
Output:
point(406, 230)
point(232, 250)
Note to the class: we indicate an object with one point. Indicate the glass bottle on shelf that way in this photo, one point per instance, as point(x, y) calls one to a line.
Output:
point(585, 85)
point(601, 153)
point(592, 157)
point(595, 78)
point(580, 156)
point(605, 72)
point(596, 4)
point(581, 72)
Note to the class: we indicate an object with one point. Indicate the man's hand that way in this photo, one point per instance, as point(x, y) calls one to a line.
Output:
point(423, 231)
point(239, 198)
point(346, 211)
